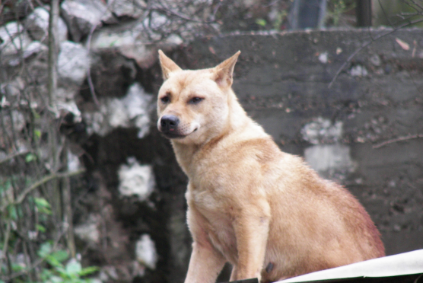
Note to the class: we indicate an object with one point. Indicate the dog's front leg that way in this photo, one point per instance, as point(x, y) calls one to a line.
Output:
point(251, 230)
point(204, 265)
point(206, 262)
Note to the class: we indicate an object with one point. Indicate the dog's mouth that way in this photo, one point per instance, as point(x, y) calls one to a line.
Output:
point(171, 134)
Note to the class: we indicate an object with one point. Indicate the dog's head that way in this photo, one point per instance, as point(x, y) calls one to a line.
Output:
point(193, 106)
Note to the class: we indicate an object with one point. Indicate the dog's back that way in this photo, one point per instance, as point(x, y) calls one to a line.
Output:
point(324, 225)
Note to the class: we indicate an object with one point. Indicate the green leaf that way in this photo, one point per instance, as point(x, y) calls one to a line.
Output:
point(46, 274)
point(45, 210)
point(55, 279)
point(4, 186)
point(73, 267)
point(53, 261)
point(261, 22)
point(17, 267)
point(36, 115)
point(42, 205)
point(12, 211)
point(40, 228)
point(88, 270)
point(113, 43)
point(30, 157)
point(37, 133)
point(60, 255)
point(45, 249)
point(62, 272)
point(41, 202)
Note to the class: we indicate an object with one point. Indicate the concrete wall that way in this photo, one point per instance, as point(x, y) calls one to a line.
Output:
point(366, 131)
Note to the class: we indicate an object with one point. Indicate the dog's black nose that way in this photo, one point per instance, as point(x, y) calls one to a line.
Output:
point(169, 123)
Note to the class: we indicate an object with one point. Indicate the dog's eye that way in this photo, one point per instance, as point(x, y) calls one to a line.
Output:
point(165, 99)
point(195, 100)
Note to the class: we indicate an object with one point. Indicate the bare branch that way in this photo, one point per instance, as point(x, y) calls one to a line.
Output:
point(13, 156)
point(44, 180)
point(364, 45)
point(384, 13)
point(52, 53)
point(415, 3)
point(404, 138)
point(5, 242)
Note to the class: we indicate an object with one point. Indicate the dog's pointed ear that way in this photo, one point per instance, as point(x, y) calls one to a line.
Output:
point(223, 72)
point(168, 66)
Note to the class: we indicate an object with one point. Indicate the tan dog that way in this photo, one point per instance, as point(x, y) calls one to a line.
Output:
point(264, 211)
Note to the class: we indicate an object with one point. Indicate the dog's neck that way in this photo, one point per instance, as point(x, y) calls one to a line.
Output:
point(236, 122)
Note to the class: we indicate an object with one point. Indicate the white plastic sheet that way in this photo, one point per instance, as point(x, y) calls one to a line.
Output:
point(401, 264)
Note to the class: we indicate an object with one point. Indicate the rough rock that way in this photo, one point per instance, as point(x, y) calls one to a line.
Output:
point(327, 156)
point(73, 162)
point(322, 131)
point(132, 110)
point(14, 122)
point(14, 40)
point(83, 16)
point(112, 74)
point(132, 41)
point(65, 101)
point(37, 26)
point(323, 58)
point(11, 89)
point(136, 180)
point(73, 63)
point(88, 230)
point(72, 66)
point(33, 48)
point(358, 71)
point(124, 8)
point(330, 160)
point(145, 251)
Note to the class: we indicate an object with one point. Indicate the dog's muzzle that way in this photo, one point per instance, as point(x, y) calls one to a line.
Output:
point(169, 126)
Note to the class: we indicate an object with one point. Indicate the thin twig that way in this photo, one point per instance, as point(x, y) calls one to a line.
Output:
point(44, 180)
point(415, 3)
point(67, 203)
point(188, 19)
point(384, 13)
point(6, 242)
point(14, 155)
point(89, 79)
point(404, 138)
point(52, 54)
point(364, 45)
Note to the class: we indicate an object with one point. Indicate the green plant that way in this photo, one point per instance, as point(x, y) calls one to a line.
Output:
point(62, 269)
point(261, 22)
point(336, 9)
point(51, 264)
point(279, 19)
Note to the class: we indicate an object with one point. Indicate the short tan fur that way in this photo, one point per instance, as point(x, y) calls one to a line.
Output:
point(264, 211)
